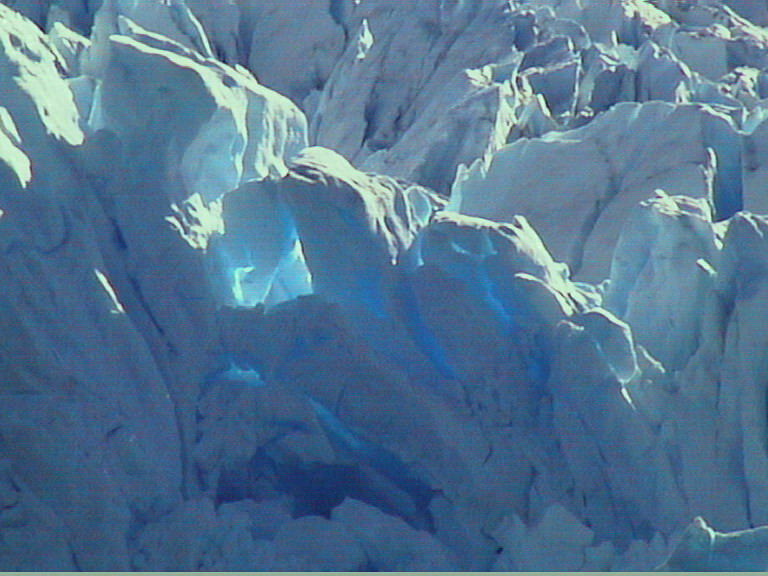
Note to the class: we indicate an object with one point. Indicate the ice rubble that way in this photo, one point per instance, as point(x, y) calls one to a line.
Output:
point(506, 312)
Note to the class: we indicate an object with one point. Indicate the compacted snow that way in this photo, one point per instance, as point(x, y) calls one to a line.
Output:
point(383, 285)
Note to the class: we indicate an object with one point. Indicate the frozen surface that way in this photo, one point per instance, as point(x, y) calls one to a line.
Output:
point(382, 285)
point(576, 187)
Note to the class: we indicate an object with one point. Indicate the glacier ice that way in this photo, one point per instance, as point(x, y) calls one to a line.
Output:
point(392, 102)
point(596, 173)
point(258, 258)
point(374, 285)
point(661, 272)
point(317, 32)
point(703, 549)
point(353, 227)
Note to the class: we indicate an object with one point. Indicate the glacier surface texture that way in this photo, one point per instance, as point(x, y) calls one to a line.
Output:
point(383, 285)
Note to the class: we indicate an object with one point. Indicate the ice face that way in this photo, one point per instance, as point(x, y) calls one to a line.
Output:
point(705, 549)
point(116, 253)
point(13, 156)
point(315, 31)
point(506, 312)
point(400, 117)
point(227, 129)
point(259, 257)
point(97, 424)
point(596, 173)
point(354, 228)
point(663, 237)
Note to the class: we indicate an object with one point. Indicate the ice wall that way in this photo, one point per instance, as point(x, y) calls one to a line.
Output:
point(383, 285)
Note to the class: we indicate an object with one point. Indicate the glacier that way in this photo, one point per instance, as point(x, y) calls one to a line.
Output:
point(376, 285)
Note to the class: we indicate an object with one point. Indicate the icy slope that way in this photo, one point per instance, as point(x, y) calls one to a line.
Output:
point(383, 285)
